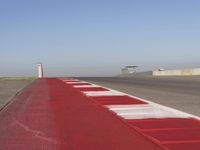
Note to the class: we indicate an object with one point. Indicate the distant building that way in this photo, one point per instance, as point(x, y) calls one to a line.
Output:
point(128, 70)
point(125, 71)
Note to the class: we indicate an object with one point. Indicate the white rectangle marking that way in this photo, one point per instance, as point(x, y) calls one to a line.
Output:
point(103, 93)
point(75, 82)
point(85, 86)
point(145, 111)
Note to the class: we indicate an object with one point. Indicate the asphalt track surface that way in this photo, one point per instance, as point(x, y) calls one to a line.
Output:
point(182, 93)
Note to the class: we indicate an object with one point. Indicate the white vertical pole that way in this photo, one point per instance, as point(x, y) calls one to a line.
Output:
point(40, 70)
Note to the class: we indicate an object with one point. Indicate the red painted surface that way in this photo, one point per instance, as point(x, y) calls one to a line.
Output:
point(165, 124)
point(50, 115)
point(85, 125)
point(184, 146)
point(27, 123)
point(173, 133)
point(171, 136)
point(117, 100)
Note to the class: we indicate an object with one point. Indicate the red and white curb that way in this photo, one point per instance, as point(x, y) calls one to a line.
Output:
point(171, 128)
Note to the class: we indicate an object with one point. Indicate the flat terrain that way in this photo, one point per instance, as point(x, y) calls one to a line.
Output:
point(52, 115)
point(10, 86)
point(182, 93)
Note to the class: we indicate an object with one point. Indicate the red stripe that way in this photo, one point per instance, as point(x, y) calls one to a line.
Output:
point(184, 146)
point(175, 135)
point(117, 100)
point(165, 123)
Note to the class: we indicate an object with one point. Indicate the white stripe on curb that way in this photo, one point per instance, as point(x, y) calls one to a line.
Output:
point(75, 82)
point(144, 111)
point(103, 93)
point(85, 86)
point(70, 80)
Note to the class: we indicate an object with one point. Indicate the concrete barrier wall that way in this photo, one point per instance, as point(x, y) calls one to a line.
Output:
point(147, 73)
point(180, 72)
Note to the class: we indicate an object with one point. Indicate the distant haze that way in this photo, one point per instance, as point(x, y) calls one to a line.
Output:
point(97, 37)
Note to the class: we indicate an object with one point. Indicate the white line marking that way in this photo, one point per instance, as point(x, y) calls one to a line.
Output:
point(146, 111)
point(103, 93)
point(66, 79)
point(127, 107)
point(70, 80)
point(75, 82)
point(85, 86)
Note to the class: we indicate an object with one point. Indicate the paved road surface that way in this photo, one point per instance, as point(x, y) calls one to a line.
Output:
point(182, 93)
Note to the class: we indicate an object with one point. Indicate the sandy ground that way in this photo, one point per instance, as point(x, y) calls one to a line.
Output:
point(9, 87)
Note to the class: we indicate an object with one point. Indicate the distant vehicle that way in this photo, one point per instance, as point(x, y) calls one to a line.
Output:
point(161, 69)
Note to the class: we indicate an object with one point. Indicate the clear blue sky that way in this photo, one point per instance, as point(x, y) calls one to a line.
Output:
point(97, 37)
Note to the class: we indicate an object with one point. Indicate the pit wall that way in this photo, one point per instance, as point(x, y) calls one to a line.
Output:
point(180, 72)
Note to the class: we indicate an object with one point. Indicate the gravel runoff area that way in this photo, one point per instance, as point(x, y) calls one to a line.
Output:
point(10, 86)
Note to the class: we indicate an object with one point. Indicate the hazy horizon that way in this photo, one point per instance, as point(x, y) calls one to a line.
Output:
point(97, 38)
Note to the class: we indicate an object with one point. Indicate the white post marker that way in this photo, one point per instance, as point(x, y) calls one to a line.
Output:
point(40, 70)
